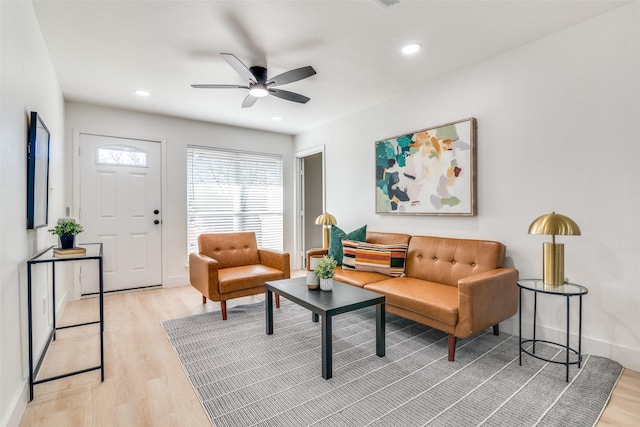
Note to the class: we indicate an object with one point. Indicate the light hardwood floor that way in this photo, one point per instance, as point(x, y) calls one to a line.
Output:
point(144, 382)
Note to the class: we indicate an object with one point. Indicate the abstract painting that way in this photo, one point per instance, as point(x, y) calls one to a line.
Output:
point(428, 172)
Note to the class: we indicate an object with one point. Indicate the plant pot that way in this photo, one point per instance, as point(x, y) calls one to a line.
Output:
point(67, 242)
point(326, 284)
point(312, 280)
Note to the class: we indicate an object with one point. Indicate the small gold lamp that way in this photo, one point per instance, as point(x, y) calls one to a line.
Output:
point(326, 220)
point(553, 253)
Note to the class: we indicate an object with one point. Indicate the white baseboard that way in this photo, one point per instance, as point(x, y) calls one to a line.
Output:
point(17, 407)
point(174, 281)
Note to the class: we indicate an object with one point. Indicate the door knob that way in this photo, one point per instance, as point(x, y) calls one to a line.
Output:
point(156, 211)
point(156, 222)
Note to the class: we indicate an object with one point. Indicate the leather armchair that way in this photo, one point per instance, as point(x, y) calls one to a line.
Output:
point(230, 265)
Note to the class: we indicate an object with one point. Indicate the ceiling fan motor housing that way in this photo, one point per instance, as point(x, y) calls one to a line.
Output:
point(260, 73)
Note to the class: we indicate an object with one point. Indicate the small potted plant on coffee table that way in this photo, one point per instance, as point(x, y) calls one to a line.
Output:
point(67, 230)
point(324, 271)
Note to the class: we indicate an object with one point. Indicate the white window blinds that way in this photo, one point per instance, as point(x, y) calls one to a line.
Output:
point(229, 191)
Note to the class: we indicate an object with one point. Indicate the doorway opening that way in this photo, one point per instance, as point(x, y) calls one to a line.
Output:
point(310, 202)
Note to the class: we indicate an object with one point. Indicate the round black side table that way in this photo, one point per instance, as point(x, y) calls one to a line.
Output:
point(567, 290)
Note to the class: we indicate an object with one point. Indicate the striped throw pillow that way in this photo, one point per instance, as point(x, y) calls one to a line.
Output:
point(349, 248)
point(384, 259)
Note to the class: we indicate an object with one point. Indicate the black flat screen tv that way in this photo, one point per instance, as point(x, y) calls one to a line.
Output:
point(37, 173)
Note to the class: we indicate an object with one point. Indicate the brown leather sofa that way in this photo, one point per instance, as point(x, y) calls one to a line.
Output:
point(458, 286)
point(230, 265)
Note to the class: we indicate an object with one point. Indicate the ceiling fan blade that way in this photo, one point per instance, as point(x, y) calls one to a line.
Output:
point(237, 65)
point(289, 96)
point(249, 101)
point(291, 76)
point(219, 87)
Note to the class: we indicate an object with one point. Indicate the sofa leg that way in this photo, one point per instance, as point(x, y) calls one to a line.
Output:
point(204, 299)
point(496, 329)
point(223, 308)
point(452, 347)
point(277, 301)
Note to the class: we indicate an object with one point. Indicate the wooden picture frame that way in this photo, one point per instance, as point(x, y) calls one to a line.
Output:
point(428, 172)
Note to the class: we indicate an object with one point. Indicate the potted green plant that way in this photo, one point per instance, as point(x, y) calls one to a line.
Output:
point(67, 230)
point(324, 271)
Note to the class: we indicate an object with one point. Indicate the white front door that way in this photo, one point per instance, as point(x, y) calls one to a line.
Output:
point(120, 202)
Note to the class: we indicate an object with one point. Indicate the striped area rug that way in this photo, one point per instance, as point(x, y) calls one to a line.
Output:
point(244, 377)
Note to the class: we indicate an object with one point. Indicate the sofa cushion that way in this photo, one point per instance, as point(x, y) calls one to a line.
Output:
point(335, 241)
point(430, 299)
point(357, 278)
point(385, 259)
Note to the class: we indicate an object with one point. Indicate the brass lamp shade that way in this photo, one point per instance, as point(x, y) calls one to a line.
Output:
point(326, 220)
point(553, 253)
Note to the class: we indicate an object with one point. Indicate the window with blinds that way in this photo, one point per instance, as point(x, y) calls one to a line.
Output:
point(229, 191)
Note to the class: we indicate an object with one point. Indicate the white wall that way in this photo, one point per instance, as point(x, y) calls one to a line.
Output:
point(178, 133)
point(28, 83)
point(557, 131)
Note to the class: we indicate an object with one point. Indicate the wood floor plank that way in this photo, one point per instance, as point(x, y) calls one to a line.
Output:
point(145, 384)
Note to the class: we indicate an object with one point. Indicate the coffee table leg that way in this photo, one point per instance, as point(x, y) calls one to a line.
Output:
point(327, 350)
point(269, 311)
point(314, 317)
point(380, 330)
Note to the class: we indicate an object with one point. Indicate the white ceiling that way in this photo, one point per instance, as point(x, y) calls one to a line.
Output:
point(103, 50)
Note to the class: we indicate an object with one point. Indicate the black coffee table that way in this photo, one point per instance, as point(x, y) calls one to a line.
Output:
point(342, 299)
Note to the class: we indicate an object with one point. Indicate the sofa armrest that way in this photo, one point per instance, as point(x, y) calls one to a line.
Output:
point(276, 259)
point(315, 252)
point(485, 300)
point(203, 274)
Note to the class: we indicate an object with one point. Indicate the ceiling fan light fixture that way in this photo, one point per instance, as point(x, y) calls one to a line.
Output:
point(259, 91)
point(411, 48)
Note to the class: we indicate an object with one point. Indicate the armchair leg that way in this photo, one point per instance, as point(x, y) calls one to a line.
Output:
point(452, 347)
point(496, 329)
point(277, 300)
point(204, 299)
point(223, 308)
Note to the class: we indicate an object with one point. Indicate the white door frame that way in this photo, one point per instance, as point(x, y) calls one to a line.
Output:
point(299, 243)
point(75, 205)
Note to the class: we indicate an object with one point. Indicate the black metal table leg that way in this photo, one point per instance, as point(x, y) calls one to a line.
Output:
point(327, 348)
point(535, 312)
point(380, 330)
point(580, 332)
point(568, 334)
point(269, 311)
point(520, 322)
point(101, 297)
point(53, 297)
point(315, 317)
point(29, 316)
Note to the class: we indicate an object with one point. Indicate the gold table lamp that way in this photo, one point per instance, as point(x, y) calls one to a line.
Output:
point(326, 220)
point(553, 253)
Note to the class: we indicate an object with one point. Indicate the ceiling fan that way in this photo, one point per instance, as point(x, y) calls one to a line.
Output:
point(259, 85)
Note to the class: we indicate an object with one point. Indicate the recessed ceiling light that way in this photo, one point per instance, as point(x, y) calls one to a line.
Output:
point(276, 118)
point(411, 48)
point(140, 92)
